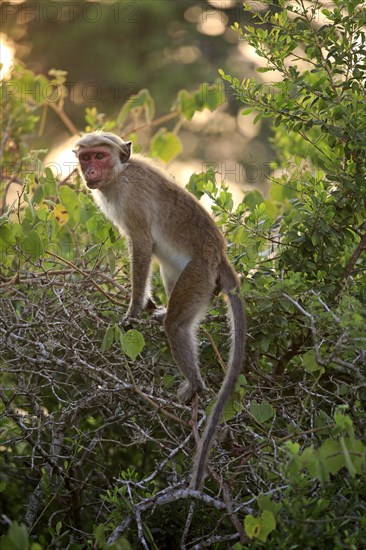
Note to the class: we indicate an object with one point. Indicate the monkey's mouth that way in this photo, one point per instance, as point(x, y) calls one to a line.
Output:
point(92, 184)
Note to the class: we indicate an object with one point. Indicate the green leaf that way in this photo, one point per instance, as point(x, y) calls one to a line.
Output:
point(18, 536)
point(233, 407)
point(142, 100)
point(99, 534)
point(253, 199)
point(310, 363)
point(252, 526)
point(6, 234)
point(198, 183)
point(317, 468)
point(350, 452)
point(165, 145)
point(108, 338)
point(321, 420)
point(263, 69)
point(187, 104)
point(38, 195)
point(331, 453)
point(261, 527)
point(267, 525)
point(265, 502)
point(212, 94)
point(132, 343)
point(209, 95)
point(281, 191)
point(120, 544)
point(257, 118)
point(344, 423)
point(262, 412)
point(32, 245)
point(70, 200)
point(49, 182)
point(240, 385)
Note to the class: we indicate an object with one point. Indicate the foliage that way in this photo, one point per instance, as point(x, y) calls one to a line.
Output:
point(112, 60)
point(95, 451)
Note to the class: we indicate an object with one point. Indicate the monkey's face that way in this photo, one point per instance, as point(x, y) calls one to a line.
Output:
point(99, 165)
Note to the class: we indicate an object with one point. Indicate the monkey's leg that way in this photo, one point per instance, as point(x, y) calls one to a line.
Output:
point(188, 301)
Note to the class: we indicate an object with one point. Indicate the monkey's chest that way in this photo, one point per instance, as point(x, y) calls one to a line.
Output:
point(112, 209)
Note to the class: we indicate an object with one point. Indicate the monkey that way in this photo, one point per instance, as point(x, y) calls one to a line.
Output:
point(161, 219)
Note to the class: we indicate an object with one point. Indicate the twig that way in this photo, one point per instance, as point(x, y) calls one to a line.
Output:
point(88, 276)
point(139, 528)
point(349, 267)
point(65, 119)
point(156, 122)
point(233, 517)
point(162, 499)
point(217, 353)
point(148, 399)
point(187, 526)
point(168, 459)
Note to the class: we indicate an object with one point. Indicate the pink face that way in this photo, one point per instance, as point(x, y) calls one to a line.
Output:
point(97, 165)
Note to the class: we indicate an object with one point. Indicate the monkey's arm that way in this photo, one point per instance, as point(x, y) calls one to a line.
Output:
point(141, 254)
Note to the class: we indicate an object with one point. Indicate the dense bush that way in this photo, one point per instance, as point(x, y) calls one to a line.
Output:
point(95, 451)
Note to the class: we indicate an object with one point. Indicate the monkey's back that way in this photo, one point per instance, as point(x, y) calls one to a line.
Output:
point(178, 214)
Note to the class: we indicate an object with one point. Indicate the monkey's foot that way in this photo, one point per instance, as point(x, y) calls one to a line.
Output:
point(132, 313)
point(159, 314)
point(127, 323)
point(130, 319)
point(187, 391)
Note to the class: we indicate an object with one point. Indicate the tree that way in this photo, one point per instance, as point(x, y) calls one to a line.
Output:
point(95, 451)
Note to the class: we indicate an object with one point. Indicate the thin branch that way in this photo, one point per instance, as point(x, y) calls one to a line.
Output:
point(357, 253)
point(65, 119)
point(87, 275)
point(161, 499)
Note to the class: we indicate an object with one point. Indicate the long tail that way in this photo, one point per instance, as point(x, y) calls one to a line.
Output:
point(229, 284)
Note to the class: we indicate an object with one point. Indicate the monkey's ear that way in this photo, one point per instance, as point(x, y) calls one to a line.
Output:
point(75, 151)
point(126, 153)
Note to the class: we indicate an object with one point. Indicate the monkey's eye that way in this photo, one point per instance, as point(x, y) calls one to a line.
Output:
point(100, 156)
point(85, 156)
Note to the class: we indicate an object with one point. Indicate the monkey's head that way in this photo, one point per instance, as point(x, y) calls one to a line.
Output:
point(101, 156)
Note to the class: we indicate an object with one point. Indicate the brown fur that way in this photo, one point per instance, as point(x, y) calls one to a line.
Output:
point(163, 220)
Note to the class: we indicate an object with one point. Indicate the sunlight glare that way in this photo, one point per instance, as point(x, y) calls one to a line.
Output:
point(6, 55)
